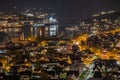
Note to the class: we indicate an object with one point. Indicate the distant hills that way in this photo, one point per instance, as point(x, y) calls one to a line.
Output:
point(111, 15)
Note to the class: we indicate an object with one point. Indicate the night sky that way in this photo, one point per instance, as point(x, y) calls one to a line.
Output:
point(67, 11)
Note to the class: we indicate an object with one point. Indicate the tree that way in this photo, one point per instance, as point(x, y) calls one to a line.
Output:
point(75, 48)
point(43, 76)
point(1, 64)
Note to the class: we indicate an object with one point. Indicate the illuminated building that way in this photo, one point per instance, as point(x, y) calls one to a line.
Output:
point(16, 29)
point(53, 27)
point(47, 27)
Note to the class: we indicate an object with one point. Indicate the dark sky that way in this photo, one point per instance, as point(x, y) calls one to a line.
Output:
point(69, 11)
